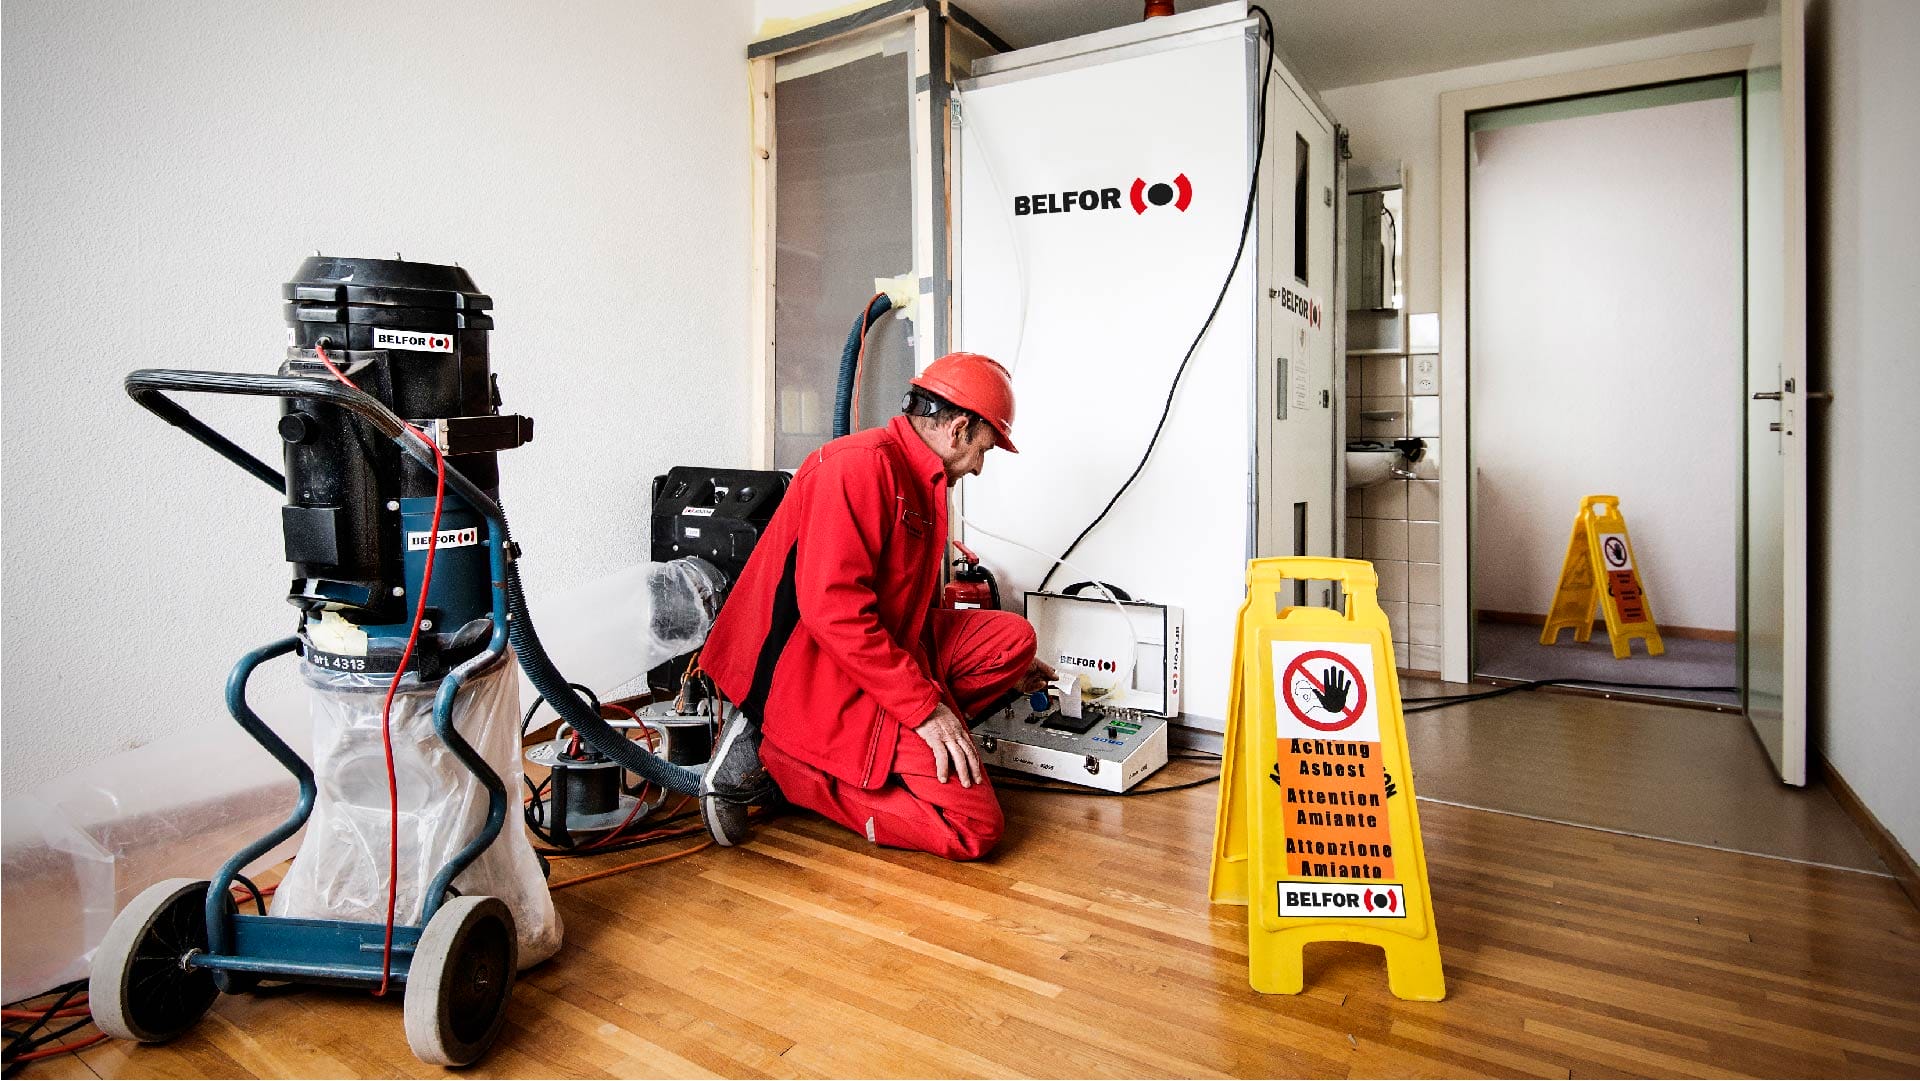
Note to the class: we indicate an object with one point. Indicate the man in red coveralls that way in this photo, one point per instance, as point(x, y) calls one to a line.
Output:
point(853, 689)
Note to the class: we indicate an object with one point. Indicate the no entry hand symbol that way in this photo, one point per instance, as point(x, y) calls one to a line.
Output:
point(1324, 690)
point(1616, 551)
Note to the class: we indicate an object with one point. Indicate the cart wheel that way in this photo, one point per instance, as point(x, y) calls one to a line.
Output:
point(460, 979)
point(139, 990)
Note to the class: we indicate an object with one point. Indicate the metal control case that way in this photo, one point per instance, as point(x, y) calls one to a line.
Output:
point(1113, 755)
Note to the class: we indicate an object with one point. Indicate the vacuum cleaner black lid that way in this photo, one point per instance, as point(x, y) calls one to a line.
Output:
point(329, 279)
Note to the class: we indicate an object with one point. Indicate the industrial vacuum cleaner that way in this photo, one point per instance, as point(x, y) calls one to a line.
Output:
point(409, 595)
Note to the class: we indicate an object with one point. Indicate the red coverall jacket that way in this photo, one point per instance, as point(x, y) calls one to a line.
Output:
point(824, 639)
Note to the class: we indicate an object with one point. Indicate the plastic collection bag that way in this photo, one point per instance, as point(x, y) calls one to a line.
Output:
point(340, 872)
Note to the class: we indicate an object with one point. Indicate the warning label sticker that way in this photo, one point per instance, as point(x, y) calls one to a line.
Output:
point(418, 341)
point(1613, 549)
point(1327, 762)
point(449, 538)
point(1377, 901)
point(1325, 689)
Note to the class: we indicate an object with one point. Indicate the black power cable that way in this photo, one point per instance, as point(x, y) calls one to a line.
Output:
point(1429, 703)
point(1074, 790)
point(1246, 228)
point(26, 1041)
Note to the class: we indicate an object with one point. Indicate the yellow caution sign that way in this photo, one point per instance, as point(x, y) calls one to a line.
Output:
point(1599, 551)
point(1317, 832)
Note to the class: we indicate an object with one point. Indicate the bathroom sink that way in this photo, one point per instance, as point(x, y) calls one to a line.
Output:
point(1375, 461)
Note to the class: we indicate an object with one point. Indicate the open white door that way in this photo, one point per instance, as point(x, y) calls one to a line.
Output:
point(1297, 314)
point(1774, 573)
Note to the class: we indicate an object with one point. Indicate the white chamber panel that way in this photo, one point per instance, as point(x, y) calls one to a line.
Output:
point(1093, 308)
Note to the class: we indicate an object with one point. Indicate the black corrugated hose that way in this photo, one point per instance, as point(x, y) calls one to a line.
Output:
point(843, 417)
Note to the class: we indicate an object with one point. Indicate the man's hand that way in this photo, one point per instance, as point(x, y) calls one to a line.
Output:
point(952, 745)
point(1039, 674)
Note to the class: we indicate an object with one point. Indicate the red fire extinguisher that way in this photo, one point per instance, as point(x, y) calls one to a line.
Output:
point(971, 585)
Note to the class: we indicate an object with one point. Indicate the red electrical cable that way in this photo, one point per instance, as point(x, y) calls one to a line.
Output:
point(35, 1015)
point(49, 1052)
point(386, 708)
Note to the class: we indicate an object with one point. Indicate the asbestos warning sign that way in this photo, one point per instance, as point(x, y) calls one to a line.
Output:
point(1600, 553)
point(1328, 761)
point(1317, 831)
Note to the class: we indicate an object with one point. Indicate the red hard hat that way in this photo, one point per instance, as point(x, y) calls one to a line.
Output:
point(977, 384)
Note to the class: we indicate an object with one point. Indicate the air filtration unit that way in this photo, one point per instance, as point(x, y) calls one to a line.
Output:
point(1103, 187)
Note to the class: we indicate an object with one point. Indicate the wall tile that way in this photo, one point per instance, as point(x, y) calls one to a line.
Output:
point(1423, 416)
point(1422, 658)
point(1423, 501)
point(1423, 583)
point(1423, 624)
point(1386, 500)
point(1423, 542)
point(1385, 376)
point(1356, 376)
point(1386, 539)
point(1393, 579)
point(1356, 538)
point(1423, 332)
point(1397, 619)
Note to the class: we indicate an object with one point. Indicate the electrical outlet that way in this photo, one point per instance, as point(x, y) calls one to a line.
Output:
point(1425, 375)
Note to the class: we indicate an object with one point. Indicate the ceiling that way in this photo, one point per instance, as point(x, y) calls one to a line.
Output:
point(1345, 42)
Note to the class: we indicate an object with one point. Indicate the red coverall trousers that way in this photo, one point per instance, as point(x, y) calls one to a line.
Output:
point(977, 656)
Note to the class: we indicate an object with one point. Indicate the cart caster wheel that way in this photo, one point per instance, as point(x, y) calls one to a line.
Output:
point(460, 979)
point(139, 989)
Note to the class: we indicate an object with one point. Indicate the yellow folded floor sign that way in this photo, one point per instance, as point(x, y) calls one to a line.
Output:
point(1600, 551)
point(1317, 831)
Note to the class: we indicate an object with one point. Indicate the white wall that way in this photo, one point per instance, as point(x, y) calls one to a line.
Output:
point(167, 165)
point(1607, 326)
point(1399, 120)
point(1864, 164)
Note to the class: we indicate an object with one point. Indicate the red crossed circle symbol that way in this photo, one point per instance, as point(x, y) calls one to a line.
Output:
point(1616, 551)
point(1298, 667)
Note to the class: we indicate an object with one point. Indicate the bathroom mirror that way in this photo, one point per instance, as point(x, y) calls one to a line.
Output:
point(1373, 249)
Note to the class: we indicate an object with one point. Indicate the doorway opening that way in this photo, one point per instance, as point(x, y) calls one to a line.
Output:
point(1606, 329)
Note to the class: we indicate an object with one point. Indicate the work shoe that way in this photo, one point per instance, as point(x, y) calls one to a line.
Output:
point(734, 781)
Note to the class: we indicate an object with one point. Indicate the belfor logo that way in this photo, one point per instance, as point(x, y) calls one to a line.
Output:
point(1305, 307)
point(1179, 193)
point(1143, 194)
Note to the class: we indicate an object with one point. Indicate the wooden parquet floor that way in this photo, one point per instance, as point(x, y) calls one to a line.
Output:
point(1086, 948)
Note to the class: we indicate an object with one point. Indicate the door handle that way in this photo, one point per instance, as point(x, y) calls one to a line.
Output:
point(1767, 396)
